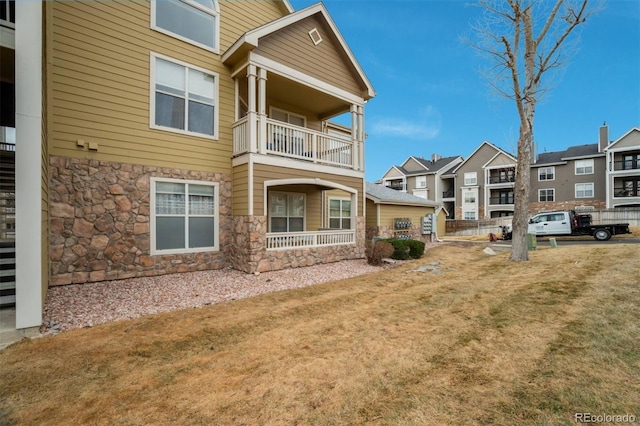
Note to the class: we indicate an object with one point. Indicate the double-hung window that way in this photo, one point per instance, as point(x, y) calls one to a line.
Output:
point(584, 190)
point(184, 216)
point(470, 179)
point(584, 167)
point(193, 21)
point(286, 212)
point(546, 195)
point(546, 173)
point(421, 181)
point(339, 214)
point(183, 97)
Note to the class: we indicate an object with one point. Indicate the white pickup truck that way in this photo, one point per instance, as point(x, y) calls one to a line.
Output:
point(569, 222)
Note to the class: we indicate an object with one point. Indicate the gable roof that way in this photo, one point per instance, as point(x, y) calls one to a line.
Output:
point(382, 195)
point(478, 149)
point(633, 129)
point(434, 166)
point(578, 151)
point(250, 40)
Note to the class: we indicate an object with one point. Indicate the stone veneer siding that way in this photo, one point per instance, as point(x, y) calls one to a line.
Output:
point(249, 253)
point(537, 207)
point(100, 218)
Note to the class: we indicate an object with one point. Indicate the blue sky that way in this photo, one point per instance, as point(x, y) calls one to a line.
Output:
point(431, 97)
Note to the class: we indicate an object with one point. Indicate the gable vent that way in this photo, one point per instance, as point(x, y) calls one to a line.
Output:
point(315, 36)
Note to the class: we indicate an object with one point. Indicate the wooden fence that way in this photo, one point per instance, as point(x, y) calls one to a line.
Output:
point(484, 227)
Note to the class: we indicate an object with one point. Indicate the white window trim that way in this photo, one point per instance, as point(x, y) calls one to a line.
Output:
point(316, 38)
point(152, 98)
point(475, 179)
point(215, 13)
point(304, 217)
point(341, 217)
point(464, 197)
point(585, 183)
point(284, 111)
point(547, 189)
point(421, 179)
point(553, 168)
point(583, 161)
point(152, 214)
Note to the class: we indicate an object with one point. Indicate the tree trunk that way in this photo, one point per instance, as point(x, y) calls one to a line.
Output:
point(519, 247)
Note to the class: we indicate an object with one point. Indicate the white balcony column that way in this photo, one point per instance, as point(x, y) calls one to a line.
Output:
point(262, 109)
point(28, 66)
point(251, 113)
point(355, 132)
point(361, 137)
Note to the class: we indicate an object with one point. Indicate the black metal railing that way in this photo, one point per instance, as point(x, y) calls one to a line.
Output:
point(501, 200)
point(626, 165)
point(7, 146)
point(501, 179)
point(448, 194)
point(622, 192)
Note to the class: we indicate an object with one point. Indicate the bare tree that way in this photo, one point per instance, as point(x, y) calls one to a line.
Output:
point(525, 40)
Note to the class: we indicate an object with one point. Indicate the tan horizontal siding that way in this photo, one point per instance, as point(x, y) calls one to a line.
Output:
point(293, 47)
point(100, 58)
point(262, 173)
point(389, 212)
point(240, 190)
point(372, 214)
point(238, 17)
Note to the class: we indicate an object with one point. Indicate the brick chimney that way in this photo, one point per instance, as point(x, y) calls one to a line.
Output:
point(603, 139)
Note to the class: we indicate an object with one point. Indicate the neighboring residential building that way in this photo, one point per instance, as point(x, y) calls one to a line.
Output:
point(623, 170)
point(395, 214)
point(425, 178)
point(175, 136)
point(484, 184)
point(571, 179)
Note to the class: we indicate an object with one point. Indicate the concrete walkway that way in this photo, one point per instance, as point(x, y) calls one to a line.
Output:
point(8, 332)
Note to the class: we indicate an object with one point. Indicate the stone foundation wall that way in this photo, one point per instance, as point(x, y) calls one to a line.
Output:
point(100, 217)
point(537, 207)
point(248, 252)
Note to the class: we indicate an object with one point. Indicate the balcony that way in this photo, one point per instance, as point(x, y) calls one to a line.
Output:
point(296, 240)
point(500, 179)
point(449, 193)
point(632, 164)
point(287, 140)
point(501, 201)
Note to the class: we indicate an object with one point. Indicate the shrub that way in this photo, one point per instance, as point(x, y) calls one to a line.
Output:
point(378, 251)
point(406, 249)
point(416, 249)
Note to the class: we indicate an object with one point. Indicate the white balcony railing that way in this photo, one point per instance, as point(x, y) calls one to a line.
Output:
point(291, 141)
point(294, 240)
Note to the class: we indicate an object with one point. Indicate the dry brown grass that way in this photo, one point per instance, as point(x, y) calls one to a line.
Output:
point(488, 341)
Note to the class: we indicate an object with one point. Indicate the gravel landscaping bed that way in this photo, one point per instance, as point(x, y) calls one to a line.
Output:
point(85, 305)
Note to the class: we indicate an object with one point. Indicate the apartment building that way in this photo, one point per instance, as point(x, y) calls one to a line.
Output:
point(178, 135)
point(484, 183)
point(623, 170)
point(428, 179)
point(571, 179)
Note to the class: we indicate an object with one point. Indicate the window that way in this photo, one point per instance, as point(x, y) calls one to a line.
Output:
point(470, 178)
point(584, 167)
point(286, 212)
point(184, 216)
point(421, 181)
point(546, 173)
point(469, 197)
point(631, 162)
point(546, 195)
point(288, 117)
point(193, 21)
point(470, 215)
point(584, 190)
point(183, 98)
point(339, 214)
